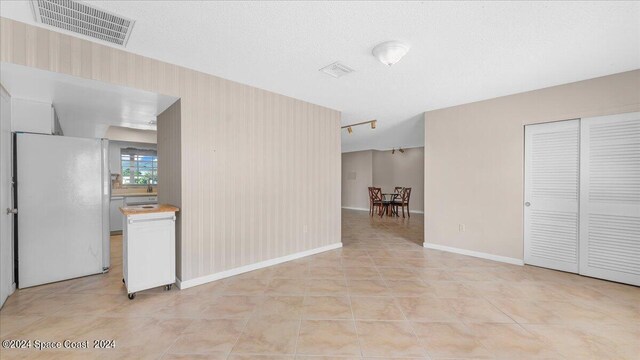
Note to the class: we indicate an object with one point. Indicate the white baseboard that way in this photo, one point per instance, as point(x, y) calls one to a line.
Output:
point(243, 269)
point(355, 208)
point(477, 254)
point(364, 209)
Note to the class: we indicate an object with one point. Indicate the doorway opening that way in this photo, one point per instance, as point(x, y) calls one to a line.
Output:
point(79, 150)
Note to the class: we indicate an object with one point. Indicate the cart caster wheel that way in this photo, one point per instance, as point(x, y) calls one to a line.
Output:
point(168, 287)
point(131, 296)
point(123, 280)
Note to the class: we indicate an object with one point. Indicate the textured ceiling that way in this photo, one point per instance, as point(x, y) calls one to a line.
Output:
point(461, 52)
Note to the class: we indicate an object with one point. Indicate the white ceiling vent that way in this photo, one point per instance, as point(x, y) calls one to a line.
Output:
point(337, 70)
point(83, 19)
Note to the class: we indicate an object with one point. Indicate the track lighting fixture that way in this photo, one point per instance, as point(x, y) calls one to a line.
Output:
point(401, 150)
point(393, 151)
point(349, 128)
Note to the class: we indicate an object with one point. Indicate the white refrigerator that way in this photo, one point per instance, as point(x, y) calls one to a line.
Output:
point(63, 191)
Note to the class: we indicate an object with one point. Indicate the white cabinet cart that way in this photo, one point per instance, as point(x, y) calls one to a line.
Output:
point(148, 247)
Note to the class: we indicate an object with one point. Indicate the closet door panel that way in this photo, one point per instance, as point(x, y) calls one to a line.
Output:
point(610, 198)
point(551, 195)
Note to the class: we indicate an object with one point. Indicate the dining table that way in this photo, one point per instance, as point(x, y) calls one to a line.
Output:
point(387, 202)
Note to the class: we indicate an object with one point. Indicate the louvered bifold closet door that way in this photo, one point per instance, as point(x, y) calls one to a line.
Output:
point(610, 198)
point(551, 195)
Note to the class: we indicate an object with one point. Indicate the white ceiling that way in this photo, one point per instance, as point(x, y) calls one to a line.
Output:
point(461, 51)
point(86, 108)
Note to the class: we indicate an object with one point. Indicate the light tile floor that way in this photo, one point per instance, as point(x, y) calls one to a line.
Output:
point(381, 296)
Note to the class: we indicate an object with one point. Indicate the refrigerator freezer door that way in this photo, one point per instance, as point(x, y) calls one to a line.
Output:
point(60, 208)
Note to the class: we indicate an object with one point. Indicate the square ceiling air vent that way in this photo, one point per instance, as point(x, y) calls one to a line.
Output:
point(83, 19)
point(337, 70)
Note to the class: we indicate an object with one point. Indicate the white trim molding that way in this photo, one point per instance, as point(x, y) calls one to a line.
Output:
point(251, 267)
point(364, 209)
point(477, 254)
point(355, 208)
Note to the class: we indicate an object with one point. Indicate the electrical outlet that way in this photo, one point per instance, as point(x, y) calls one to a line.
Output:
point(461, 228)
point(305, 229)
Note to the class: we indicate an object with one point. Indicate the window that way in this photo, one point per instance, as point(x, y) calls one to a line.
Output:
point(139, 167)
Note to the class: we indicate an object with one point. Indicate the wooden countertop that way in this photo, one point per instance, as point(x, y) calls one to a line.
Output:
point(147, 209)
point(133, 194)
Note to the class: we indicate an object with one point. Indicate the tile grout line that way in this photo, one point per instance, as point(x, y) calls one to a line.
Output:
point(406, 320)
point(246, 324)
point(164, 353)
point(353, 316)
point(304, 296)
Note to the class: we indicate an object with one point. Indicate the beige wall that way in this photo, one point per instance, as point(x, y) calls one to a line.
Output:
point(259, 172)
point(361, 169)
point(357, 176)
point(170, 169)
point(474, 158)
point(406, 170)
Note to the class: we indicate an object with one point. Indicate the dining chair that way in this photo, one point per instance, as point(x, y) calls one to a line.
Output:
point(405, 196)
point(395, 201)
point(375, 199)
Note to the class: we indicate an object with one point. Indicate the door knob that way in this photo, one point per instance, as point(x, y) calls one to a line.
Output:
point(12, 211)
point(527, 204)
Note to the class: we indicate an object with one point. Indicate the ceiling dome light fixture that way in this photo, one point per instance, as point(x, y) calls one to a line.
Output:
point(390, 52)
